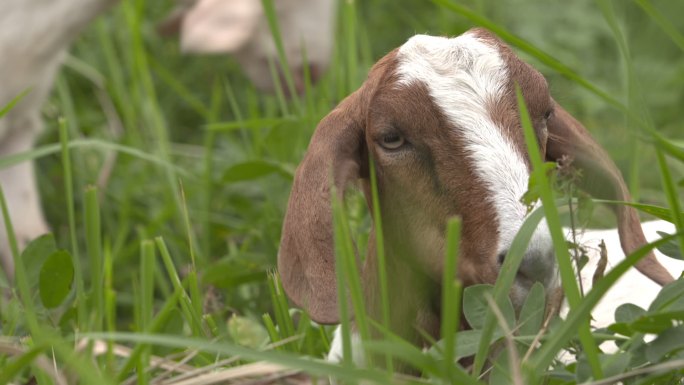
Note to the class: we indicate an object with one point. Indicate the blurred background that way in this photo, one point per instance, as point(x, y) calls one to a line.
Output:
point(198, 134)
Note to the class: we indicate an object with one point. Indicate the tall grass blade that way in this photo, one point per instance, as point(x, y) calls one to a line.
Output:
point(349, 272)
point(672, 197)
point(269, 10)
point(563, 258)
point(103, 145)
point(342, 296)
point(350, 48)
point(193, 318)
point(94, 250)
point(21, 280)
point(635, 102)
point(209, 144)
point(156, 326)
point(280, 304)
point(668, 28)
point(116, 84)
point(451, 295)
point(8, 107)
point(146, 304)
point(380, 254)
point(657, 211)
point(109, 307)
point(71, 212)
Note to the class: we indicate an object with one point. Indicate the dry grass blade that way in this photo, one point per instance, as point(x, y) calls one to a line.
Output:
point(670, 365)
point(209, 368)
point(248, 373)
point(100, 347)
point(197, 372)
point(168, 372)
point(602, 263)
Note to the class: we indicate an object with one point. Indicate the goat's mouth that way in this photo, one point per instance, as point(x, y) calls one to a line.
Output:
point(526, 281)
point(537, 266)
point(545, 275)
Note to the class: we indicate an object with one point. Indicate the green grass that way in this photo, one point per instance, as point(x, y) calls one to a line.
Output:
point(165, 179)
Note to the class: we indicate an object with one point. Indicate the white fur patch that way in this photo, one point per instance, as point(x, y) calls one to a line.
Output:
point(464, 75)
point(336, 353)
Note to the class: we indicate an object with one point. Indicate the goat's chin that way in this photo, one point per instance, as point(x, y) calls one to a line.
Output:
point(523, 285)
point(519, 292)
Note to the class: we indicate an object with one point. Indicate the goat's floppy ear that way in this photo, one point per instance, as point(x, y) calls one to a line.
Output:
point(306, 259)
point(601, 178)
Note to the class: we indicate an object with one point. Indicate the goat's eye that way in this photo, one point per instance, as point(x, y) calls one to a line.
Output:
point(548, 114)
point(392, 141)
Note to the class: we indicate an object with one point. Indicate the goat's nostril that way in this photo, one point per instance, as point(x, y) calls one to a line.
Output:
point(502, 257)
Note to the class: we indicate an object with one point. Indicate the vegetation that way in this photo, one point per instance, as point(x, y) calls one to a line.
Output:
point(165, 180)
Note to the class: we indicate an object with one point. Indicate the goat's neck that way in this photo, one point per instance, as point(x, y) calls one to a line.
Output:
point(414, 297)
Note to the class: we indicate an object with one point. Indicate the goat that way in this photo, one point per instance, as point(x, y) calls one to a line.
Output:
point(34, 35)
point(240, 27)
point(440, 120)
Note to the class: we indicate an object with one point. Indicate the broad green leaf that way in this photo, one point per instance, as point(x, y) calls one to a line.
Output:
point(532, 312)
point(34, 256)
point(669, 341)
point(625, 314)
point(254, 170)
point(56, 277)
point(246, 332)
point(671, 248)
point(475, 306)
point(671, 297)
point(501, 369)
point(628, 312)
point(622, 328)
point(612, 364)
point(657, 322)
point(467, 342)
point(68, 319)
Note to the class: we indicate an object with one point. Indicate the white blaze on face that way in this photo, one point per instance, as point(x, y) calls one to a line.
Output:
point(464, 75)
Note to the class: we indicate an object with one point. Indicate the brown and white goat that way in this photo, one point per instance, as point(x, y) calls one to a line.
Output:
point(440, 119)
point(34, 35)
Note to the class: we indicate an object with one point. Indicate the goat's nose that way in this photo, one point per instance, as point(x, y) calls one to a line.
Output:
point(537, 264)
